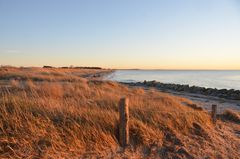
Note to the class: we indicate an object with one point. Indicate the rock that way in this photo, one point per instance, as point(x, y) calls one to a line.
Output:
point(153, 83)
point(223, 91)
point(186, 88)
point(214, 92)
point(180, 88)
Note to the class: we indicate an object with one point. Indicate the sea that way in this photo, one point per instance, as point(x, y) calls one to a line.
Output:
point(220, 79)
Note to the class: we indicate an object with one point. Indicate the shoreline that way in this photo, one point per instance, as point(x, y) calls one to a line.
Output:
point(205, 100)
point(230, 94)
point(99, 75)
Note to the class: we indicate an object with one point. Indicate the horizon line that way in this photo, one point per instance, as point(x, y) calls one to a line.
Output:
point(156, 69)
point(181, 69)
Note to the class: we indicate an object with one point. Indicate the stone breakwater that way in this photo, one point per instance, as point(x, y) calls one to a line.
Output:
point(221, 93)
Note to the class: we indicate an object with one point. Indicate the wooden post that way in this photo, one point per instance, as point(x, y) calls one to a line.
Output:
point(123, 122)
point(144, 82)
point(214, 113)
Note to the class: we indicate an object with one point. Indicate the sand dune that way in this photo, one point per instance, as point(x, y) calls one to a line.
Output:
point(71, 113)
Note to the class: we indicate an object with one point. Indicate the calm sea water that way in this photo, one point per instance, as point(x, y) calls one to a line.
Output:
point(210, 79)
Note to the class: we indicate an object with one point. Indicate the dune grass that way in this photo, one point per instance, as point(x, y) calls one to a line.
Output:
point(78, 118)
point(231, 115)
point(46, 74)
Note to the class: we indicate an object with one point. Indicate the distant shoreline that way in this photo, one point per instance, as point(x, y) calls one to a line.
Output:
point(203, 100)
point(208, 79)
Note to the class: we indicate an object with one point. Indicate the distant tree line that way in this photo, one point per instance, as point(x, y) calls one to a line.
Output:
point(72, 67)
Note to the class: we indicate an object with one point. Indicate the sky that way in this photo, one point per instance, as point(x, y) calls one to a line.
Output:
point(144, 34)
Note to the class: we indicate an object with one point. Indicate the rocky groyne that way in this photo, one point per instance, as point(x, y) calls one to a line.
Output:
point(221, 93)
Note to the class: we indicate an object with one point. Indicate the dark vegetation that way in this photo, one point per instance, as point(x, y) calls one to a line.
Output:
point(72, 67)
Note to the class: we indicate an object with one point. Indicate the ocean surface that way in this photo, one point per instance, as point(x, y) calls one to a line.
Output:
point(209, 79)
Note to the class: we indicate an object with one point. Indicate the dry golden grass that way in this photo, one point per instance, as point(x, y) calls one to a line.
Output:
point(77, 118)
point(231, 115)
point(46, 74)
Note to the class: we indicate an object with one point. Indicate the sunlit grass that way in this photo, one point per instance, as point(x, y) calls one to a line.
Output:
point(52, 118)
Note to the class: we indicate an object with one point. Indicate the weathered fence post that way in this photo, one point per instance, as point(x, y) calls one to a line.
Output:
point(123, 122)
point(144, 82)
point(214, 113)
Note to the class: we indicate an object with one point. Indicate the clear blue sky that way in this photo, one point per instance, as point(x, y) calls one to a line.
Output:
point(163, 34)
